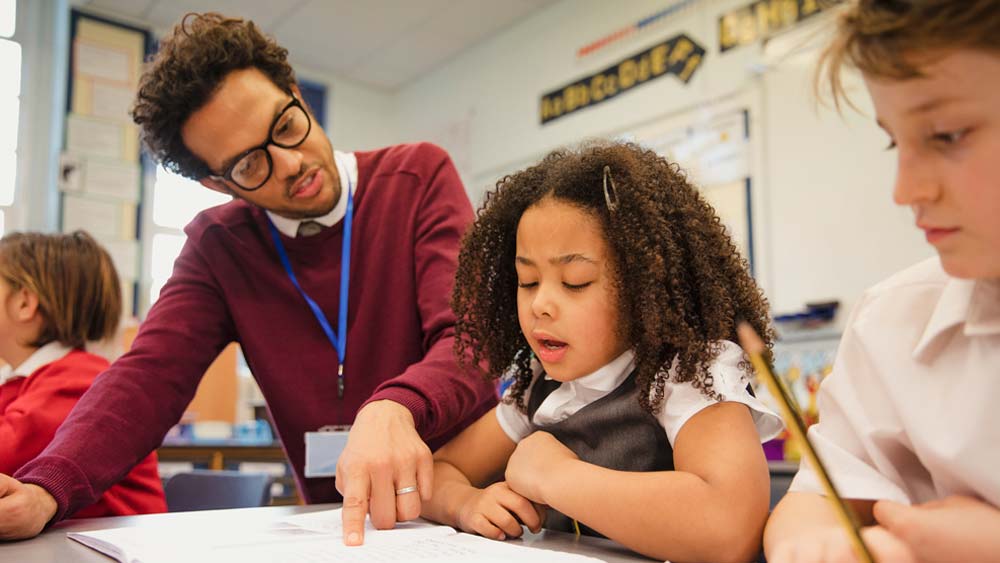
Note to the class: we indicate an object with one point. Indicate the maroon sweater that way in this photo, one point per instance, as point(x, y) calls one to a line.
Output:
point(32, 408)
point(228, 285)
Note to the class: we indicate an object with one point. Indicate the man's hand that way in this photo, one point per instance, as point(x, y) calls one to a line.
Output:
point(24, 509)
point(384, 454)
point(536, 460)
point(955, 528)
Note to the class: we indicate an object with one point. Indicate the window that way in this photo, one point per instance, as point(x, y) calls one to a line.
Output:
point(10, 103)
point(176, 200)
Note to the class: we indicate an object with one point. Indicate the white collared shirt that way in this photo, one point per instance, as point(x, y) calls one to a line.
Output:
point(910, 411)
point(681, 401)
point(347, 169)
point(43, 356)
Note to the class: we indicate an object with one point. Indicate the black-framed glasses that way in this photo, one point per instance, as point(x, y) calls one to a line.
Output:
point(253, 168)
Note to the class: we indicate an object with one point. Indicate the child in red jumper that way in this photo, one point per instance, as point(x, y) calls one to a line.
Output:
point(58, 292)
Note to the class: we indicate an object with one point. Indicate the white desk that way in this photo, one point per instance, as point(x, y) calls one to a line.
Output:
point(53, 545)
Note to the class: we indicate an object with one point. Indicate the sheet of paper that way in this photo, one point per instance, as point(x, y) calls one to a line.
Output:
point(125, 257)
point(98, 61)
point(111, 100)
point(89, 136)
point(113, 178)
point(311, 538)
point(97, 217)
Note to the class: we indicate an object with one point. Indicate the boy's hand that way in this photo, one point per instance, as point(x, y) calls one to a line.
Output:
point(536, 459)
point(955, 528)
point(832, 545)
point(24, 509)
point(497, 512)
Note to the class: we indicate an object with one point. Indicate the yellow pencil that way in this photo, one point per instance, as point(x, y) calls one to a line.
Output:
point(754, 347)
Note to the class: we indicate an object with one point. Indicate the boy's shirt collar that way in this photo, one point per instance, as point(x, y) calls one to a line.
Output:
point(45, 355)
point(974, 304)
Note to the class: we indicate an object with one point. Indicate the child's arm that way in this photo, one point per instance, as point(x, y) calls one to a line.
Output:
point(711, 508)
point(474, 459)
point(30, 421)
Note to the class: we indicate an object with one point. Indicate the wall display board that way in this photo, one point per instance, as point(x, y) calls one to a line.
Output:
point(101, 171)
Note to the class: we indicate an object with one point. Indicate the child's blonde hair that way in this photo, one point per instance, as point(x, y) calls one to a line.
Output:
point(893, 38)
point(79, 295)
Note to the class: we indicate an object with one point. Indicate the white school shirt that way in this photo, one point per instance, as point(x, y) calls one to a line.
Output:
point(910, 411)
point(681, 401)
point(347, 167)
point(41, 357)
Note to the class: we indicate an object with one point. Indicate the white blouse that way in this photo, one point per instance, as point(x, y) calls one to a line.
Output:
point(909, 412)
point(681, 401)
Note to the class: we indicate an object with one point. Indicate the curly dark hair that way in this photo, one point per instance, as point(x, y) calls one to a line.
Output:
point(191, 63)
point(682, 285)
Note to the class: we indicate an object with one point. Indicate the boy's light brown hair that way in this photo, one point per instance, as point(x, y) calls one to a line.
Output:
point(894, 38)
point(79, 295)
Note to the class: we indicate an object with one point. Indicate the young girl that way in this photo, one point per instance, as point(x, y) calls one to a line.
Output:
point(56, 293)
point(606, 288)
point(908, 420)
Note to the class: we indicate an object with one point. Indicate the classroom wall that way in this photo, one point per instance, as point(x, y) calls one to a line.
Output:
point(360, 117)
point(825, 224)
point(821, 181)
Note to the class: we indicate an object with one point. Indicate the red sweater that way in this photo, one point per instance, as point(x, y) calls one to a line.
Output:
point(32, 408)
point(228, 284)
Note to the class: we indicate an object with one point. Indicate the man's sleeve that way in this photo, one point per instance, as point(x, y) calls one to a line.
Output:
point(858, 436)
point(440, 396)
point(132, 405)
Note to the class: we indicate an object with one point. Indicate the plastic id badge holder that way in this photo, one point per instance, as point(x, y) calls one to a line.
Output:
point(323, 449)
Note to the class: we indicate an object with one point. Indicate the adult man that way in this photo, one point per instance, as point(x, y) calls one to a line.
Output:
point(219, 104)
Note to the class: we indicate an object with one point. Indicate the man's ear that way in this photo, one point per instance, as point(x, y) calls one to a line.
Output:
point(215, 185)
point(25, 305)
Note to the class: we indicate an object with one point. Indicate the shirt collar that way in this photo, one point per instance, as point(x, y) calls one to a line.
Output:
point(41, 357)
point(974, 304)
point(608, 377)
point(347, 168)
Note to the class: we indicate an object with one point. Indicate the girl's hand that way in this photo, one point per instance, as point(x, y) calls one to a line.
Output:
point(832, 545)
point(497, 512)
point(535, 460)
point(955, 528)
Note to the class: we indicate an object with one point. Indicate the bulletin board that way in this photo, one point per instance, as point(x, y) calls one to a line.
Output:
point(100, 176)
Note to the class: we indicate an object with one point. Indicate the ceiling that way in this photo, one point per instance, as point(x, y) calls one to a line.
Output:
point(380, 43)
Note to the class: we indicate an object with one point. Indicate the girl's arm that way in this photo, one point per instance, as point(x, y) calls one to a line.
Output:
point(711, 508)
point(462, 468)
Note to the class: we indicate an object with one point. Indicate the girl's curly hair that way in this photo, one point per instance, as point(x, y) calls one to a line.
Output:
point(682, 286)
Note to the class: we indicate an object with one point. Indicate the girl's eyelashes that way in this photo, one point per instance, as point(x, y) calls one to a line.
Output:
point(569, 286)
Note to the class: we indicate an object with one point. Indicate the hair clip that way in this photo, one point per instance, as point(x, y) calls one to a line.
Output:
point(610, 197)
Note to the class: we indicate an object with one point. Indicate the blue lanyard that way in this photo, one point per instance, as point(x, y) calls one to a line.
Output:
point(338, 342)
